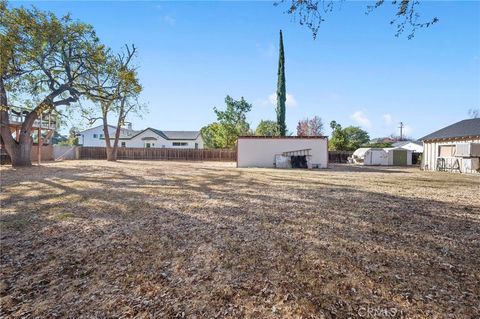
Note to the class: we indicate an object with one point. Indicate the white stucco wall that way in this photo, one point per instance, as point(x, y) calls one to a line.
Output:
point(138, 142)
point(431, 152)
point(87, 138)
point(199, 141)
point(260, 152)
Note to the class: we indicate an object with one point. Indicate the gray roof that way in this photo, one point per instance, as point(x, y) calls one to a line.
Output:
point(177, 135)
point(463, 128)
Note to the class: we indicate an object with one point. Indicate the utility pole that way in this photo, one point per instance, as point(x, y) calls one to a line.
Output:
point(401, 131)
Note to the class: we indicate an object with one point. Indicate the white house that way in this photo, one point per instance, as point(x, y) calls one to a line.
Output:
point(148, 138)
point(261, 151)
point(95, 136)
point(453, 148)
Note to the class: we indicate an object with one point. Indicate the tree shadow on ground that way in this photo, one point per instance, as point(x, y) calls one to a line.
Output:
point(212, 242)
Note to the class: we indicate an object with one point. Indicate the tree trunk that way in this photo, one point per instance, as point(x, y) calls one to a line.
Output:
point(20, 152)
point(21, 155)
point(115, 144)
point(108, 145)
point(121, 119)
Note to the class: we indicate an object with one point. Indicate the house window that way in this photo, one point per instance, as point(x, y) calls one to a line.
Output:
point(147, 145)
point(101, 136)
point(179, 143)
point(95, 135)
point(446, 151)
point(196, 145)
point(124, 144)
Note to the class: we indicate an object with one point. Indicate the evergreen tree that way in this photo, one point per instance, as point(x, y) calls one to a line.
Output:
point(281, 90)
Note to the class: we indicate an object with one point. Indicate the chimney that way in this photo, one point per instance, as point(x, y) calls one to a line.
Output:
point(129, 126)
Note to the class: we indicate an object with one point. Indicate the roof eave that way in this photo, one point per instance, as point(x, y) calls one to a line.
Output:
point(453, 138)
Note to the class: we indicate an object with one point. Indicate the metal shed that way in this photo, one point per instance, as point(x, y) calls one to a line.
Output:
point(398, 156)
point(382, 156)
point(370, 156)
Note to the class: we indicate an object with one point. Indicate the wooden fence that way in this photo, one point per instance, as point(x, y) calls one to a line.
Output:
point(46, 154)
point(132, 153)
point(339, 156)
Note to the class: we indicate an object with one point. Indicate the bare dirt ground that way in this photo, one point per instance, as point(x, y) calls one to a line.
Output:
point(207, 240)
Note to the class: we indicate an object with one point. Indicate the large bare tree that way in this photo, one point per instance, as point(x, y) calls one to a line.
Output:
point(43, 61)
point(115, 93)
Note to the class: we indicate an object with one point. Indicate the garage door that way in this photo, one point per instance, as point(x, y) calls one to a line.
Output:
point(399, 158)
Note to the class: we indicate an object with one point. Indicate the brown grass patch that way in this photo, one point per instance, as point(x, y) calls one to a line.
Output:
point(203, 240)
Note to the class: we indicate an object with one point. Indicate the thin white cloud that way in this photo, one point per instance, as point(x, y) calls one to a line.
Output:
point(333, 96)
point(291, 101)
point(158, 7)
point(268, 51)
point(387, 119)
point(272, 99)
point(169, 20)
point(361, 119)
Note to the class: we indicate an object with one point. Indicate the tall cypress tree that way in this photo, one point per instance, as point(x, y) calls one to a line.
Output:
point(281, 90)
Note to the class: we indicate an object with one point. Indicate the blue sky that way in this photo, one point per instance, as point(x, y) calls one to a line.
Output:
point(192, 54)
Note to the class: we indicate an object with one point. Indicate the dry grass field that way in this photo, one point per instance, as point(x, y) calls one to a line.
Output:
point(206, 240)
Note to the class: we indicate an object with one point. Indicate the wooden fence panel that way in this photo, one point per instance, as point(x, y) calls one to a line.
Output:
point(131, 153)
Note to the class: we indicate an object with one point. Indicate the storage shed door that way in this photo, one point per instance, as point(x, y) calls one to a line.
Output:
point(376, 157)
point(399, 158)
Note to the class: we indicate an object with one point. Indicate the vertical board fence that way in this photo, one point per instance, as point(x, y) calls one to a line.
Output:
point(133, 153)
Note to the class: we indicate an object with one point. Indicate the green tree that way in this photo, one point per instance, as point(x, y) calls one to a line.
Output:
point(281, 89)
point(267, 128)
point(338, 140)
point(59, 139)
point(347, 139)
point(356, 137)
point(213, 135)
point(43, 61)
point(71, 140)
point(377, 145)
point(231, 123)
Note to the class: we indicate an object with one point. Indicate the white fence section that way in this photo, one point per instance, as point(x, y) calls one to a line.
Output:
point(61, 152)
